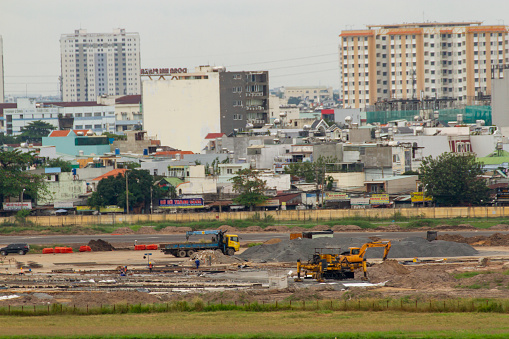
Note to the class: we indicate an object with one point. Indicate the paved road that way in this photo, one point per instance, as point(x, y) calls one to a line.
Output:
point(165, 238)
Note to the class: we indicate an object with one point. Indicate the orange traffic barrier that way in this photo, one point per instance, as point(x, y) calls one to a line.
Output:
point(152, 247)
point(59, 249)
point(85, 249)
point(47, 250)
point(140, 247)
point(67, 250)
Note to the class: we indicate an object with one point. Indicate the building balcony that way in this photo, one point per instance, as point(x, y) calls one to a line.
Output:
point(256, 108)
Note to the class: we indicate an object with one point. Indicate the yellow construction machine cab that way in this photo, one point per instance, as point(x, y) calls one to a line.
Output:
point(232, 240)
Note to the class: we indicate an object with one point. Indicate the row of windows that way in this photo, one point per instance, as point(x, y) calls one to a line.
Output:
point(426, 36)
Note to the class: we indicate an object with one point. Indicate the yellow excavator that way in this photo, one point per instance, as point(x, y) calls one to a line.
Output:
point(325, 264)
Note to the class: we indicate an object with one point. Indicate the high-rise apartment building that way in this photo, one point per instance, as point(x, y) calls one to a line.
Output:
point(2, 91)
point(420, 60)
point(95, 64)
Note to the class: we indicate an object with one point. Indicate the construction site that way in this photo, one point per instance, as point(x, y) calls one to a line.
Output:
point(440, 266)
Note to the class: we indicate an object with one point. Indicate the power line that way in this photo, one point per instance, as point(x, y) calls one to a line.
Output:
point(302, 65)
point(268, 62)
point(323, 70)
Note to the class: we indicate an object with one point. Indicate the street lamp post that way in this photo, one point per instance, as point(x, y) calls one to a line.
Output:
point(22, 194)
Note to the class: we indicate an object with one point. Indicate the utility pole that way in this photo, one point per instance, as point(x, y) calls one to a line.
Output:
point(151, 201)
point(126, 192)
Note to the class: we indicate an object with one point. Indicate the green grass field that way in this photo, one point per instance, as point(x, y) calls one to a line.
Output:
point(236, 324)
point(364, 223)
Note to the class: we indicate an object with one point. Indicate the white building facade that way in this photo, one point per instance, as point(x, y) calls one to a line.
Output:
point(93, 64)
point(2, 91)
point(94, 117)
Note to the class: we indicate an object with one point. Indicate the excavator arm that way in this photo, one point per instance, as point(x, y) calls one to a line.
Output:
point(385, 244)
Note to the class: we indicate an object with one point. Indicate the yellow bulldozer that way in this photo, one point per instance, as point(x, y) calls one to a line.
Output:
point(330, 263)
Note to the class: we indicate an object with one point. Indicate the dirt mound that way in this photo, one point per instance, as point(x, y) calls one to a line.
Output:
point(460, 227)
point(124, 230)
point(291, 250)
point(254, 229)
point(147, 230)
point(321, 228)
point(401, 276)
point(346, 228)
point(112, 298)
point(100, 245)
point(175, 229)
point(272, 241)
point(389, 228)
point(228, 229)
point(500, 227)
point(277, 229)
point(210, 257)
point(496, 239)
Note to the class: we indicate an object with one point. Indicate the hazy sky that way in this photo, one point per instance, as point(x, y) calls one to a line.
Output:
point(296, 41)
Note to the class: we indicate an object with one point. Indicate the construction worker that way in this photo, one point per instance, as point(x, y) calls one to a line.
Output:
point(150, 266)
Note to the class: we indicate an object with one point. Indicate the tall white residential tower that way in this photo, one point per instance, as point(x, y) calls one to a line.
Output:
point(95, 64)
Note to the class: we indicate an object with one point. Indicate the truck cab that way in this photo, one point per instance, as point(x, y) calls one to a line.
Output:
point(232, 241)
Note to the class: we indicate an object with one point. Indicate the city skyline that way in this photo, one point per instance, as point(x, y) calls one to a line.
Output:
point(297, 42)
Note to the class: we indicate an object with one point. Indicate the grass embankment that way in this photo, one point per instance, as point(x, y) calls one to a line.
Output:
point(364, 223)
point(237, 324)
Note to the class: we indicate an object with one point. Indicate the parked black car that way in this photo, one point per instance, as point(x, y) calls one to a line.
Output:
point(21, 249)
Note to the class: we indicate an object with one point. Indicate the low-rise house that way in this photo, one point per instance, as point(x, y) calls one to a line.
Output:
point(62, 187)
point(77, 142)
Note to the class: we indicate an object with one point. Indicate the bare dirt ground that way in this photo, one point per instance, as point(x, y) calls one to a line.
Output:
point(50, 280)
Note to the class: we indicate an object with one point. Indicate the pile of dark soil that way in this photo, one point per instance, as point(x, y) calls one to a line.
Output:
point(292, 250)
point(254, 229)
point(496, 239)
point(277, 229)
point(100, 245)
point(346, 228)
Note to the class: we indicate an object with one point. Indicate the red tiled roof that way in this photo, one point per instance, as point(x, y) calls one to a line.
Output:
point(59, 133)
point(287, 197)
point(214, 135)
point(113, 173)
point(84, 131)
point(6, 105)
point(65, 132)
point(129, 99)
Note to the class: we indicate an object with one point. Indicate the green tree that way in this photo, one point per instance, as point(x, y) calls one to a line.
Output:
point(453, 179)
point(8, 139)
point(312, 171)
point(65, 166)
point(250, 187)
point(15, 179)
point(35, 130)
point(112, 191)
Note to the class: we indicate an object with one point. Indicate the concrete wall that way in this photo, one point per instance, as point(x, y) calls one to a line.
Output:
point(328, 150)
point(182, 112)
point(281, 182)
point(63, 190)
point(403, 183)
point(500, 100)
point(359, 135)
point(375, 157)
point(279, 216)
point(348, 180)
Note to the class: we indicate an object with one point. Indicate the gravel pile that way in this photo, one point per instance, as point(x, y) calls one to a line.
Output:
point(292, 250)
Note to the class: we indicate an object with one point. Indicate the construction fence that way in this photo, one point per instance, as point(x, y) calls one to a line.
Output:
point(276, 216)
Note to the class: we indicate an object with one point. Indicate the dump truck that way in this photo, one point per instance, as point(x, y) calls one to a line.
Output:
point(331, 263)
point(228, 244)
